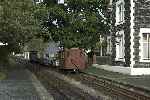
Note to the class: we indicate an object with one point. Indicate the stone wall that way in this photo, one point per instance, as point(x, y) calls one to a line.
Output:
point(142, 20)
point(103, 60)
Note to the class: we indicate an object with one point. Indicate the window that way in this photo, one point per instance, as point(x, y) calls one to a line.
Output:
point(146, 46)
point(120, 6)
point(120, 45)
point(119, 12)
point(38, 1)
point(60, 1)
point(108, 45)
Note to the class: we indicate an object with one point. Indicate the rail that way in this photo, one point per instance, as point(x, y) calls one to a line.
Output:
point(118, 89)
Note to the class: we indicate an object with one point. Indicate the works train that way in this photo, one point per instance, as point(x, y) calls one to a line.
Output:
point(73, 59)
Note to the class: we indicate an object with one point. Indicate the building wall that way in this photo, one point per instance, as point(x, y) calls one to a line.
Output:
point(126, 28)
point(142, 20)
point(137, 18)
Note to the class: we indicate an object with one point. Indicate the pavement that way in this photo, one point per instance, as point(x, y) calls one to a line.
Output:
point(141, 81)
point(21, 84)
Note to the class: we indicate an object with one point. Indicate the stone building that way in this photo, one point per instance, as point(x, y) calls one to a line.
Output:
point(131, 36)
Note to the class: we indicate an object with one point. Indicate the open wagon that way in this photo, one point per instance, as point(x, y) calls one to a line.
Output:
point(73, 59)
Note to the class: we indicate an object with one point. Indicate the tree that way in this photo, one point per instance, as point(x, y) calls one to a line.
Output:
point(18, 24)
point(78, 23)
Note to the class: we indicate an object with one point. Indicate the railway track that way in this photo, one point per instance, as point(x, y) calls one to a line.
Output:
point(58, 87)
point(56, 91)
point(118, 91)
point(48, 83)
point(67, 90)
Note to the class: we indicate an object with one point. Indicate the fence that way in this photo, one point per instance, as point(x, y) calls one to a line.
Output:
point(102, 60)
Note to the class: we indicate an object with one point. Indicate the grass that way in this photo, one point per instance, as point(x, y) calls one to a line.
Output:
point(2, 76)
point(101, 72)
point(139, 81)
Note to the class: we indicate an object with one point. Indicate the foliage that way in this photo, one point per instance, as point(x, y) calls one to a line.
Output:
point(2, 75)
point(102, 42)
point(18, 23)
point(78, 23)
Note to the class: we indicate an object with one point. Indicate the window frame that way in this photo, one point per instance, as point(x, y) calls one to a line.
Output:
point(120, 12)
point(147, 42)
point(120, 57)
point(143, 31)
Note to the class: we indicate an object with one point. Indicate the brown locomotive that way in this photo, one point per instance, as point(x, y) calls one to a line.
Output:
point(74, 59)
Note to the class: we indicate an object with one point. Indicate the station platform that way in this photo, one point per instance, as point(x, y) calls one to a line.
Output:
point(140, 81)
